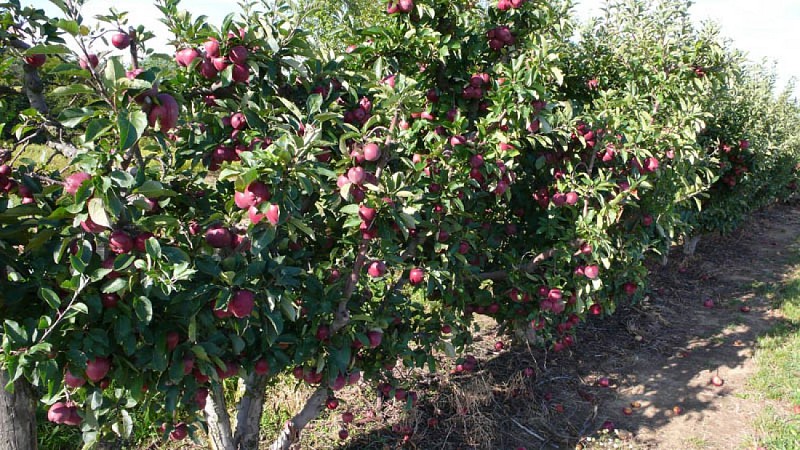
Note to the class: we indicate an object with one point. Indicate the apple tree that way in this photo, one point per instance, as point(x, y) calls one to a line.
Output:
point(255, 206)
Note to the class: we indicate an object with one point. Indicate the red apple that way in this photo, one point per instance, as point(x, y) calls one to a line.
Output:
point(73, 381)
point(273, 214)
point(36, 61)
point(120, 242)
point(121, 40)
point(375, 338)
point(164, 113)
point(372, 152)
point(212, 47)
point(347, 417)
point(367, 214)
point(242, 303)
point(184, 57)
point(376, 269)
point(708, 303)
point(173, 338)
point(591, 272)
point(238, 54)
point(207, 69)
point(97, 369)
point(416, 276)
point(332, 403)
point(261, 367)
point(74, 181)
point(179, 433)
point(218, 236)
point(343, 434)
point(92, 61)
point(716, 381)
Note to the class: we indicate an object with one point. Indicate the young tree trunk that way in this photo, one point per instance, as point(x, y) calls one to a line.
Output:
point(690, 245)
point(248, 415)
point(219, 422)
point(17, 415)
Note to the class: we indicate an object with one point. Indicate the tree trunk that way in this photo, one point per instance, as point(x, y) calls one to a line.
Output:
point(248, 416)
point(689, 246)
point(219, 422)
point(17, 415)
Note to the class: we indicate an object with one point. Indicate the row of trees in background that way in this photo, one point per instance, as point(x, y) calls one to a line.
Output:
point(272, 201)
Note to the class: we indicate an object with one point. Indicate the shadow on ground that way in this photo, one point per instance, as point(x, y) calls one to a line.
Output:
point(658, 355)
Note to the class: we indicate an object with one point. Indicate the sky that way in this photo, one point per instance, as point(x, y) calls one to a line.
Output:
point(767, 30)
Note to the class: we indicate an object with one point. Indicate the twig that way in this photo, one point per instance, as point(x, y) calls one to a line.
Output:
point(528, 430)
point(528, 268)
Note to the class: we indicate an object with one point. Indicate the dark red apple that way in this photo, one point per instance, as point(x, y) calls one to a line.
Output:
point(241, 73)
point(173, 338)
point(110, 300)
point(179, 433)
point(238, 54)
point(242, 303)
point(347, 417)
point(140, 240)
point(120, 242)
point(36, 61)
point(375, 338)
point(218, 236)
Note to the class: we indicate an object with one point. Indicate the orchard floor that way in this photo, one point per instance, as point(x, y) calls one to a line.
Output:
point(659, 355)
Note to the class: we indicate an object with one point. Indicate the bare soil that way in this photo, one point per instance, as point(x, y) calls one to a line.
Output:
point(659, 356)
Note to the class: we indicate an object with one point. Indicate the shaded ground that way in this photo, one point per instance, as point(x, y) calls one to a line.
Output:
point(659, 357)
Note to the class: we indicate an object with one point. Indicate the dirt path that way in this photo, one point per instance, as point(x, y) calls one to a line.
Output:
point(704, 342)
point(678, 344)
point(658, 355)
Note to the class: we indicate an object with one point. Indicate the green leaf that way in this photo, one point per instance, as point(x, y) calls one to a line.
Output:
point(96, 128)
point(49, 296)
point(73, 89)
point(122, 179)
point(153, 248)
point(131, 128)
point(70, 26)
point(52, 49)
point(97, 213)
point(143, 308)
point(154, 189)
point(115, 285)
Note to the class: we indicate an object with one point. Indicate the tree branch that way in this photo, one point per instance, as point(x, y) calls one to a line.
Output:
point(291, 430)
point(527, 268)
